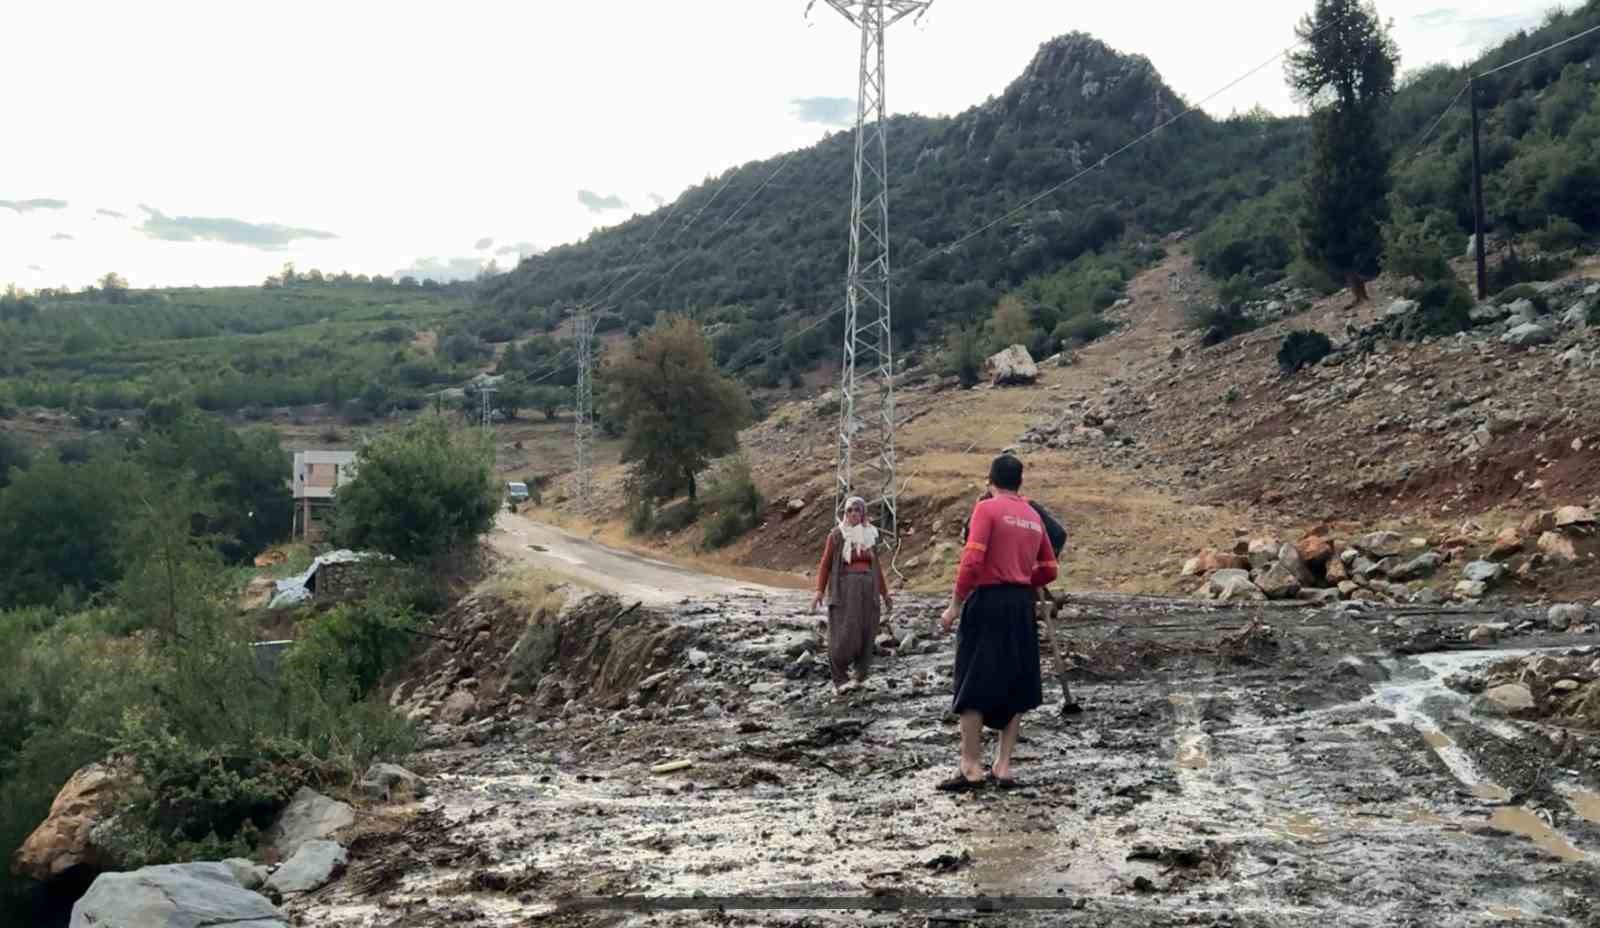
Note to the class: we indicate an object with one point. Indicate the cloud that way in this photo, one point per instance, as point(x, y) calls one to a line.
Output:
point(441, 269)
point(265, 236)
point(658, 199)
point(599, 204)
point(110, 212)
point(61, 237)
point(520, 248)
point(35, 267)
point(483, 243)
point(828, 111)
point(25, 206)
point(1477, 31)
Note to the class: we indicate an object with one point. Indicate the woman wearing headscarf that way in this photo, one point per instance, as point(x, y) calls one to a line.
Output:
point(850, 580)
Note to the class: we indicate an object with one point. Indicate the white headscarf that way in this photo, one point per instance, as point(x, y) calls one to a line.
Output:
point(857, 538)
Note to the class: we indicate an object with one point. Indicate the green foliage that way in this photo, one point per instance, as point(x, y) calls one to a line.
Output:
point(1515, 269)
point(1302, 348)
point(57, 528)
point(678, 411)
point(734, 502)
point(1218, 322)
point(1523, 292)
point(1254, 237)
point(1347, 74)
point(1560, 234)
point(963, 355)
point(1011, 325)
point(353, 644)
point(1446, 308)
point(14, 455)
point(419, 492)
point(1417, 245)
point(1080, 330)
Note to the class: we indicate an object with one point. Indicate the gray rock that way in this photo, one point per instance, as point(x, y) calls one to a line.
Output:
point(1484, 571)
point(1230, 585)
point(696, 657)
point(198, 895)
point(1472, 247)
point(1472, 589)
point(1428, 597)
point(1507, 699)
point(1318, 597)
point(1527, 335)
point(459, 707)
point(311, 867)
point(1577, 317)
point(1523, 310)
point(1564, 616)
point(1401, 308)
point(250, 874)
point(1278, 583)
point(1486, 313)
point(1013, 366)
point(1289, 557)
point(1422, 565)
point(1380, 544)
point(310, 816)
point(385, 782)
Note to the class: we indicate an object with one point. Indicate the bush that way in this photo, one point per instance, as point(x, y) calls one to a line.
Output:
point(354, 643)
point(1516, 269)
point(735, 504)
point(1078, 331)
point(1445, 309)
point(419, 492)
point(1239, 290)
point(1523, 292)
point(1417, 246)
point(963, 356)
point(1560, 234)
point(676, 517)
point(1218, 322)
point(1302, 348)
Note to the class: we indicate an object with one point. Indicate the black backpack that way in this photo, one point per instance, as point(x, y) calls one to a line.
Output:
point(1053, 528)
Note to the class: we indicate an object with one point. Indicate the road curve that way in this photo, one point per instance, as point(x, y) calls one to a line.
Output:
point(622, 573)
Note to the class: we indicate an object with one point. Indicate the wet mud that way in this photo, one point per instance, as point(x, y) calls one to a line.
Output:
point(1231, 767)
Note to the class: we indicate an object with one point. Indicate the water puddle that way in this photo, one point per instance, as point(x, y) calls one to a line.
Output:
point(1519, 821)
point(1506, 912)
point(1586, 804)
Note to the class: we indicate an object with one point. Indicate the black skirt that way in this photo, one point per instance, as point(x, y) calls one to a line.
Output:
point(997, 655)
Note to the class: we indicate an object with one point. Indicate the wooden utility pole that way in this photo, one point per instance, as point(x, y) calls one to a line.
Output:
point(1477, 196)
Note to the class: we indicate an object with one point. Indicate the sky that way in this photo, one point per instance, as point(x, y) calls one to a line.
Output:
point(182, 142)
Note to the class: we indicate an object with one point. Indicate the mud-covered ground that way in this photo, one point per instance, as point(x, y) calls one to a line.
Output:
point(1233, 767)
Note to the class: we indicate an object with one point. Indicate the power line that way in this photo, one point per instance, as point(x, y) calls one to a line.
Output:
point(1429, 134)
point(1532, 55)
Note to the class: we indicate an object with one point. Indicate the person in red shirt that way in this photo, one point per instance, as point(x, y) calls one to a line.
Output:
point(1007, 558)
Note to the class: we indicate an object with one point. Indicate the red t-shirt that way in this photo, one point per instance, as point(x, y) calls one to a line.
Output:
point(1006, 544)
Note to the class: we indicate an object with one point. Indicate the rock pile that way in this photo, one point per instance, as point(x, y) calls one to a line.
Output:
point(1564, 689)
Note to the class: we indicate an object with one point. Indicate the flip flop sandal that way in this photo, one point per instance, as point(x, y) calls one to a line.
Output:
point(959, 784)
point(1007, 783)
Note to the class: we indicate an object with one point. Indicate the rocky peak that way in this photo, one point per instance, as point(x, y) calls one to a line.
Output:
point(1079, 76)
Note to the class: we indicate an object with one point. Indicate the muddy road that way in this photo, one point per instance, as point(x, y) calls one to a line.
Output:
point(1273, 767)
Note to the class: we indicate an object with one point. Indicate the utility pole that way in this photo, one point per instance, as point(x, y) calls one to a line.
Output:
point(583, 415)
point(1477, 196)
point(866, 462)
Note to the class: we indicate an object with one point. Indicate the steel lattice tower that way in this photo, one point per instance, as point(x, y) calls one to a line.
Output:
point(866, 462)
point(583, 416)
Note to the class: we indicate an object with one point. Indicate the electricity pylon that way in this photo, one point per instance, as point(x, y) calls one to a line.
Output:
point(866, 461)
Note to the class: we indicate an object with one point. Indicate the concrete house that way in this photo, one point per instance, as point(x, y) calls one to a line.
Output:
point(317, 476)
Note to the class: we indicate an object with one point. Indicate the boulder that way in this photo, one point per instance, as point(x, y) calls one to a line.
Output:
point(1401, 308)
point(310, 816)
point(65, 839)
point(1507, 543)
point(1013, 366)
point(1380, 544)
point(1263, 552)
point(1289, 557)
point(1318, 597)
point(198, 895)
point(1572, 517)
point(1314, 549)
point(1278, 583)
point(1576, 316)
point(1523, 311)
point(250, 874)
point(1472, 589)
point(1507, 699)
point(1484, 571)
point(1422, 565)
point(1482, 634)
point(1539, 523)
point(1337, 572)
point(1527, 335)
point(1211, 560)
point(1232, 585)
point(459, 707)
point(1348, 587)
point(388, 782)
point(1557, 547)
point(1565, 615)
point(794, 506)
point(311, 867)
point(1486, 313)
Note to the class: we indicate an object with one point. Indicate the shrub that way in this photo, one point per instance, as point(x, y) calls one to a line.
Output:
point(1302, 348)
point(735, 504)
point(1218, 322)
point(963, 356)
point(419, 492)
point(641, 514)
point(1080, 330)
point(1239, 290)
point(1560, 234)
point(676, 517)
point(1445, 309)
point(1416, 246)
point(1523, 292)
point(1516, 269)
point(354, 643)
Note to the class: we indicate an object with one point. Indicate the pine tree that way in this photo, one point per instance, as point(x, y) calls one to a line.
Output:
point(1347, 74)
